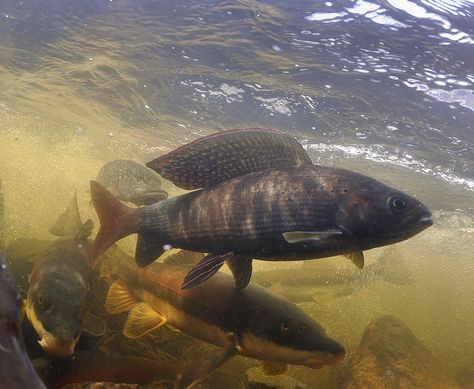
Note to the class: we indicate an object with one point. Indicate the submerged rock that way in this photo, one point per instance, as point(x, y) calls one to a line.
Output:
point(390, 356)
point(256, 379)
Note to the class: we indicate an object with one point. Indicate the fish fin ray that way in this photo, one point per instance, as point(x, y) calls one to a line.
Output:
point(181, 257)
point(69, 222)
point(357, 258)
point(112, 215)
point(141, 320)
point(119, 299)
point(204, 270)
point(271, 368)
point(301, 236)
point(197, 370)
point(219, 157)
point(241, 269)
point(148, 249)
point(93, 324)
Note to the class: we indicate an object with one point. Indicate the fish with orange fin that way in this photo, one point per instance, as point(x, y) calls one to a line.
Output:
point(253, 322)
point(258, 196)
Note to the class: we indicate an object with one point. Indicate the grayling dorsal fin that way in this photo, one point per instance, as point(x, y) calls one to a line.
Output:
point(225, 155)
point(181, 257)
point(69, 222)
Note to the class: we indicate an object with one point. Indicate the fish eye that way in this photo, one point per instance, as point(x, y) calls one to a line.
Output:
point(284, 327)
point(397, 203)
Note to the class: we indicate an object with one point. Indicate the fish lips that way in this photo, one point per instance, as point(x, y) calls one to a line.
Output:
point(53, 346)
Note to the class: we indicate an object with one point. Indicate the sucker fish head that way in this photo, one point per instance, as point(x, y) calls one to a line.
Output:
point(56, 310)
point(381, 215)
point(286, 334)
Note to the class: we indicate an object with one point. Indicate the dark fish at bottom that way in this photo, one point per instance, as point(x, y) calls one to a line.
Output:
point(261, 198)
point(16, 370)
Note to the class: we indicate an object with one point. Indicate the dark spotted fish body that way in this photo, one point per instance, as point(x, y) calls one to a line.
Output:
point(132, 182)
point(277, 209)
point(16, 370)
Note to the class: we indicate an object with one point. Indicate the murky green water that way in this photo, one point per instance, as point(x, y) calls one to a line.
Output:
point(383, 88)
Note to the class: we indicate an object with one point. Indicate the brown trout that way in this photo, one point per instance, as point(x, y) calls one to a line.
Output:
point(260, 198)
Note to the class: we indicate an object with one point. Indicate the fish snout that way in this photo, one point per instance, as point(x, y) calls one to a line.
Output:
point(53, 346)
point(335, 354)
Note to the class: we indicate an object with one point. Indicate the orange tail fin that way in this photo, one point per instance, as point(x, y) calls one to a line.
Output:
point(116, 220)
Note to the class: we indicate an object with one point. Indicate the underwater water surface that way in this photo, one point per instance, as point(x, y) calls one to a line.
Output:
point(384, 88)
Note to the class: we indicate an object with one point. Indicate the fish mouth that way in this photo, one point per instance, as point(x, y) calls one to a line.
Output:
point(54, 347)
point(426, 220)
point(325, 359)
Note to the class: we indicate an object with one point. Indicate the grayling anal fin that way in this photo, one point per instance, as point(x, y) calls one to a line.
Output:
point(204, 270)
point(196, 371)
point(148, 249)
point(357, 258)
point(219, 157)
point(300, 236)
point(241, 269)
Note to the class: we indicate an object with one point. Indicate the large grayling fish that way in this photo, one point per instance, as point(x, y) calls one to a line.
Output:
point(16, 370)
point(58, 284)
point(132, 182)
point(255, 322)
point(261, 198)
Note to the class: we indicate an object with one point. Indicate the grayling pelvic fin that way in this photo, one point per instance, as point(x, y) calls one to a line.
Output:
point(148, 249)
point(241, 269)
point(204, 270)
point(196, 371)
point(219, 157)
point(181, 257)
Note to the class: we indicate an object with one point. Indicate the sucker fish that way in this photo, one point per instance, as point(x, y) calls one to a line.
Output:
point(58, 284)
point(16, 370)
point(254, 322)
point(260, 198)
point(132, 182)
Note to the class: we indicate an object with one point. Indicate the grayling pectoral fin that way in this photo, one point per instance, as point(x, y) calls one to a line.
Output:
point(357, 258)
point(219, 157)
point(274, 368)
point(148, 249)
point(301, 236)
point(241, 269)
point(195, 371)
point(204, 270)
point(141, 320)
point(93, 324)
